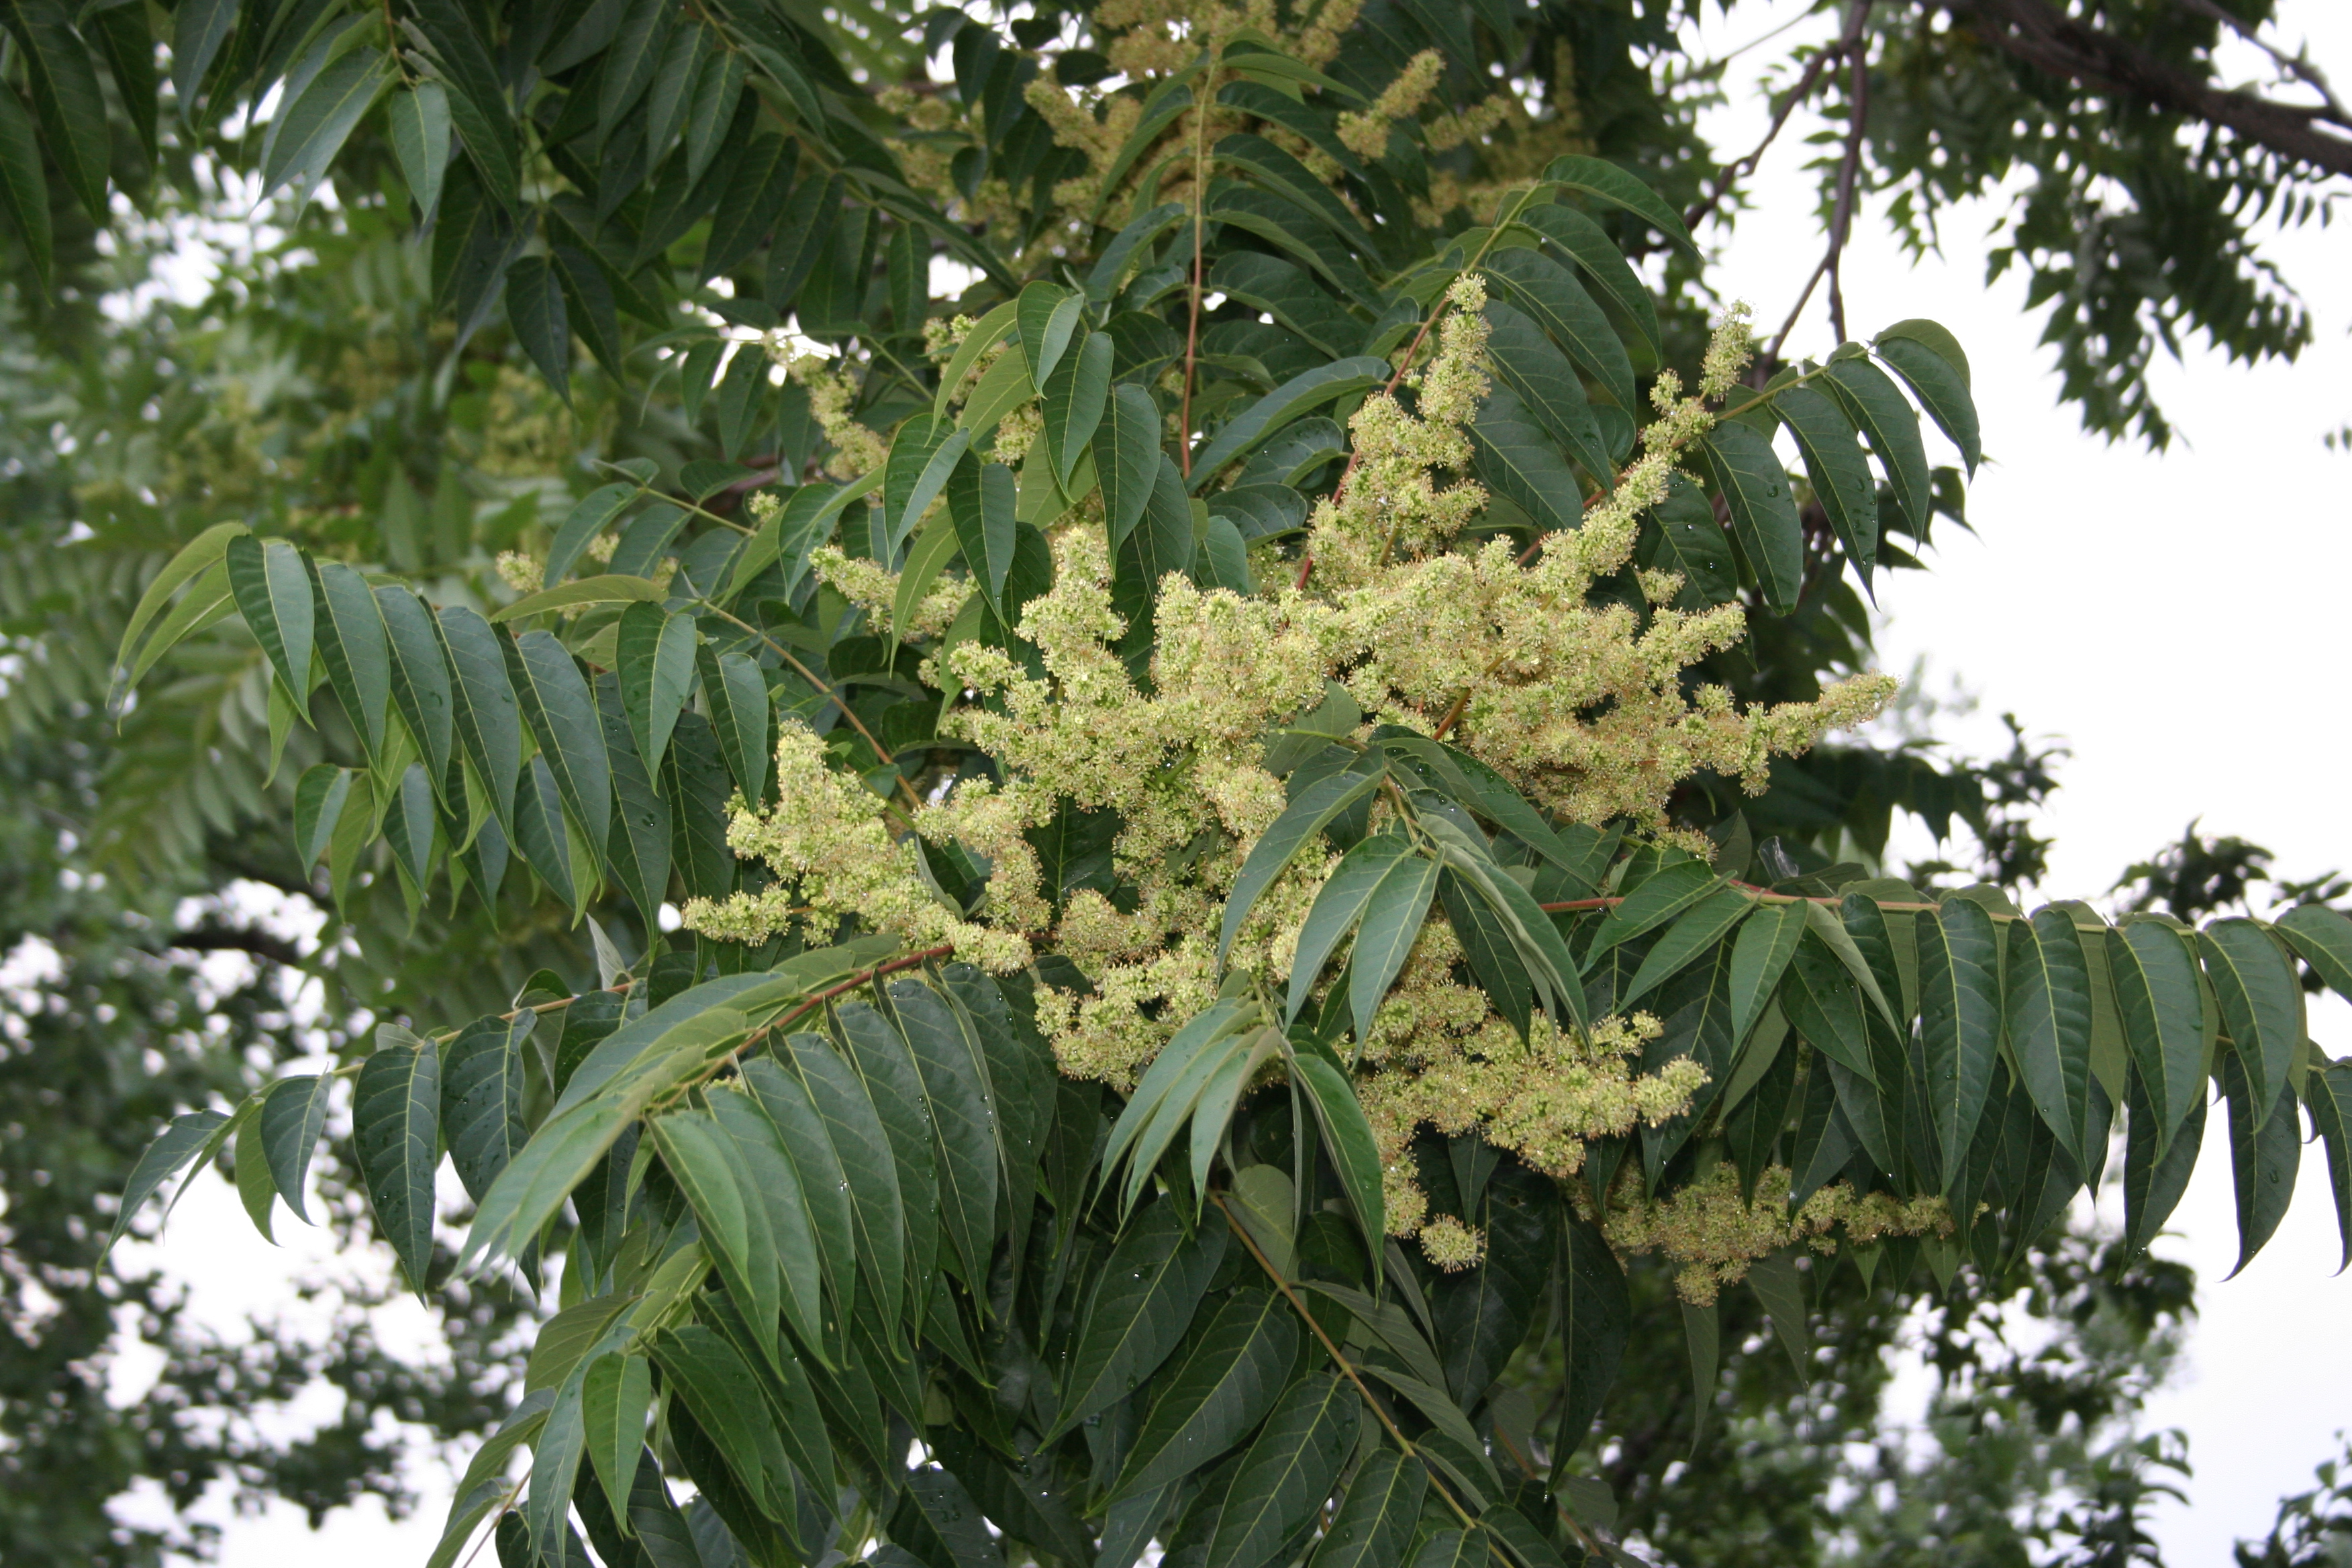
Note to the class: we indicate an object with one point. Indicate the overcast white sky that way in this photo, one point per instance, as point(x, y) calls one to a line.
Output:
point(2178, 620)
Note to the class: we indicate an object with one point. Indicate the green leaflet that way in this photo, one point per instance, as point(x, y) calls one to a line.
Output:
point(2265, 1147)
point(1144, 1300)
point(1216, 1394)
point(1607, 182)
point(963, 1117)
point(637, 845)
point(656, 670)
point(1652, 904)
point(420, 676)
point(2050, 1025)
point(1347, 1138)
point(2158, 995)
point(1552, 297)
point(271, 585)
point(986, 333)
point(1874, 404)
point(894, 1091)
point(308, 133)
point(1938, 378)
point(1376, 1518)
point(736, 695)
point(980, 503)
point(1824, 1006)
point(482, 1099)
point(1546, 387)
point(25, 187)
point(823, 1188)
point(562, 712)
point(2327, 1093)
point(862, 1149)
point(351, 643)
point(555, 1458)
point(612, 588)
point(1782, 1288)
point(320, 796)
point(1768, 941)
point(1339, 904)
point(1960, 1013)
point(776, 1204)
point(1127, 458)
point(914, 453)
point(2260, 1005)
point(1301, 395)
point(487, 719)
point(540, 321)
point(1392, 916)
point(2158, 1159)
point(1590, 245)
point(723, 1392)
point(2323, 939)
point(696, 1149)
point(1287, 1471)
point(1839, 471)
point(1741, 467)
point(1048, 317)
point(484, 1484)
point(66, 98)
point(293, 1114)
point(396, 1129)
point(1076, 394)
point(1703, 1337)
point(615, 1395)
point(1305, 817)
point(1213, 1112)
point(589, 517)
point(1518, 462)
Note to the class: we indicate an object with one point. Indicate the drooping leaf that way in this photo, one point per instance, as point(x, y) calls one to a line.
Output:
point(488, 718)
point(1127, 458)
point(395, 1129)
point(1839, 471)
point(1874, 404)
point(65, 99)
point(2266, 1148)
point(1695, 930)
point(980, 502)
point(1744, 470)
point(2156, 993)
point(308, 133)
point(1076, 394)
point(1767, 941)
point(1393, 913)
point(2327, 1092)
point(1339, 905)
point(420, 676)
point(1375, 1521)
point(561, 711)
point(615, 1394)
point(2260, 1007)
point(2159, 1157)
point(1279, 845)
point(1287, 1471)
point(1940, 385)
point(656, 670)
point(1347, 1138)
point(272, 586)
point(1960, 1015)
point(1216, 1394)
point(962, 1117)
point(1605, 182)
point(1048, 316)
point(1301, 395)
point(1552, 296)
point(291, 1118)
point(482, 1099)
point(1144, 1300)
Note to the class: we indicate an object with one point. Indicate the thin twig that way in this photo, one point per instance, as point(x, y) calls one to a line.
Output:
point(1856, 52)
point(1200, 220)
point(1740, 168)
point(2296, 65)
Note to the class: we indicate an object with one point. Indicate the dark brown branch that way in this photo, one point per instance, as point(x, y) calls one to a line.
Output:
point(237, 938)
point(1740, 168)
point(2036, 33)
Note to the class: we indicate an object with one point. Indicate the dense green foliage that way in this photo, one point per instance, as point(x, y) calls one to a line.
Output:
point(468, 791)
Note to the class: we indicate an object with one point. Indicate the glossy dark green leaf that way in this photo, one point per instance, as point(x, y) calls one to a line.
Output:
point(320, 796)
point(418, 120)
point(25, 185)
point(542, 323)
point(396, 1129)
point(1393, 913)
point(2156, 993)
point(1767, 941)
point(1657, 899)
point(1941, 387)
point(723, 1392)
point(695, 1149)
point(1598, 254)
point(1550, 295)
point(1279, 845)
point(1375, 1521)
point(695, 780)
point(1212, 1397)
point(1960, 1013)
point(982, 498)
point(2266, 1148)
point(408, 825)
point(187, 1134)
point(1605, 182)
point(555, 1458)
point(561, 711)
point(482, 1099)
point(1143, 1301)
point(66, 98)
point(2159, 1157)
point(488, 718)
point(1048, 317)
point(1839, 471)
point(1744, 470)
point(2327, 1092)
point(289, 1122)
point(1546, 384)
point(1076, 394)
point(1126, 459)
point(779, 1218)
point(1286, 292)
point(308, 133)
point(657, 669)
point(1301, 395)
point(352, 645)
point(962, 1117)
point(1347, 1139)
point(272, 586)
point(862, 1150)
point(420, 675)
point(1695, 930)
point(2261, 1006)
point(2323, 939)
point(637, 845)
point(1875, 403)
point(1339, 905)
point(807, 1143)
point(1823, 1004)
point(1288, 1470)
point(1521, 463)
point(736, 695)
point(615, 1394)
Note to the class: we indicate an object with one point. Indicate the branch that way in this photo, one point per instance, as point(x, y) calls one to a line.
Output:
point(237, 938)
point(2034, 34)
point(2294, 64)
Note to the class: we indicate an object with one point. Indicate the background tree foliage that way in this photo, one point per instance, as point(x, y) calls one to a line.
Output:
point(397, 386)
